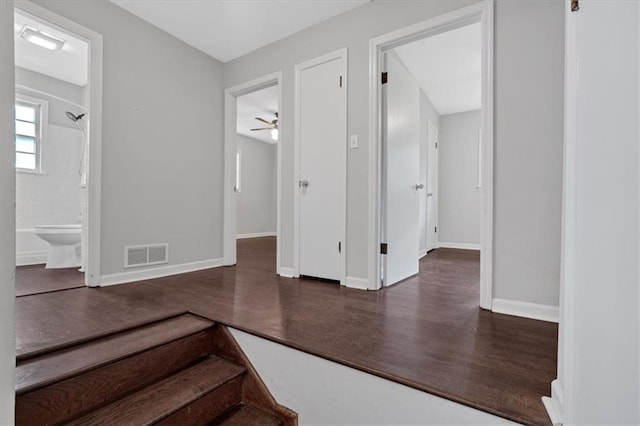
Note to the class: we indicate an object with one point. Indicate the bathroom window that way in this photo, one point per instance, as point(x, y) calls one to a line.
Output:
point(29, 115)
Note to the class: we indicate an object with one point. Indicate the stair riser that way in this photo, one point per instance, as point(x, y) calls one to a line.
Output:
point(67, 399)
point(206, 409)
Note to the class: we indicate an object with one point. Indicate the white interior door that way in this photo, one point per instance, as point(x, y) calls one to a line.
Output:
point(432, 188)
point(400, 175)
point(323, 129)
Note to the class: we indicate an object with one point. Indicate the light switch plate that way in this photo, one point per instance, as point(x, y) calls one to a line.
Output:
point(353, 141)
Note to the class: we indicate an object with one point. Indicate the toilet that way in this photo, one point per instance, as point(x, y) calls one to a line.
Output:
point(64, 244)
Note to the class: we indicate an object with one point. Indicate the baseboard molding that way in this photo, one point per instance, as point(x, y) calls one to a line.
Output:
point(255, 235)
point(26, 258)
point(159, 272)
point(359, 283)
point(287, 272)
point(461, 246)
point(554, 405)
point(526, 310)
point(422, 253)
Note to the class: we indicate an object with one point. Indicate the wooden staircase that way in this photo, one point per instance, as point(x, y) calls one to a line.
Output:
point(181, 370)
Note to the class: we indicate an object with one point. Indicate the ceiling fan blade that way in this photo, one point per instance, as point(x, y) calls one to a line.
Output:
point(262, 128)
point(263, 120)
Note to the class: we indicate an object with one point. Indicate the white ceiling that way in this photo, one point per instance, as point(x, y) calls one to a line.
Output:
point(448, 68)
point(228, 29)
point(263, 103)
point(69, 64)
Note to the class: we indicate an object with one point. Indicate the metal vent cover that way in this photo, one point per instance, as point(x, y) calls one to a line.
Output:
point(145, 255)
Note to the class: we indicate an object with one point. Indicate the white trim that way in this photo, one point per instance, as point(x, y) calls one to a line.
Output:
point(422, 253)
point(461, 246)
point(159, 272)
point(231, 95)
point(358, 283)
point(342, 168)
point(287, 272)
point(479, 12)
point(26, 258)
point(256, 235)
point(526, 310)
point(94, 130)
point(552, 411)
point(554, 405)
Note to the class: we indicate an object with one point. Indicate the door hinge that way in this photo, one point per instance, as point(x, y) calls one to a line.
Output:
point(575, 5)
point(436, 229)
point(340, 81)
point(436, 145)
point(385, 77)
point(383, 248)
point(339, 246)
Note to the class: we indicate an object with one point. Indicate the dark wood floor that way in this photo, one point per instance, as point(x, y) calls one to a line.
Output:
point(426, 332)
point(36, 279)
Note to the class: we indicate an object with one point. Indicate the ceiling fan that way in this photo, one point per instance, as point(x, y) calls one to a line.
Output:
point(270, 125)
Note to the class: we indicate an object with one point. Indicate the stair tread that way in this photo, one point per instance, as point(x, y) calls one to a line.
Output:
point(249, 415)
point(55, 366)
point(161, 399)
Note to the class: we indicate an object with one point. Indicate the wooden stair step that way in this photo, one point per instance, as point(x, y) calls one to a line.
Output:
point(195, 395)
point(51, 367)
point(245, 414)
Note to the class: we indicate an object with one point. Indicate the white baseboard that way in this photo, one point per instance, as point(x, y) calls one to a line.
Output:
point(158, 272)
point(287, 272)
point(554, 405)
point(359, 283)
point(526, 310)
point(26, 258)
point(255, 235)
point(462, 246)
point(422, 253)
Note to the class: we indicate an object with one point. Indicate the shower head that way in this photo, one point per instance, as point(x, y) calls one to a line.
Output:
point(74, 117)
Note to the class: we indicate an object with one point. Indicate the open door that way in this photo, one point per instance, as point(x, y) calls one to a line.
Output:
point(432, 188)
point(400, 165)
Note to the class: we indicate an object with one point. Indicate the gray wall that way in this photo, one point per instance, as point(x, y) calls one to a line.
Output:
point(459, 201)
point(528, 123)
point(61, 95)
point(162, 144)
point(7, 216)
point(427, 113)
point(256, 204)
point(529, 84)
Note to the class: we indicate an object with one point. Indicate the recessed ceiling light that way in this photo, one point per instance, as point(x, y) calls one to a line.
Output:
point(42, 39)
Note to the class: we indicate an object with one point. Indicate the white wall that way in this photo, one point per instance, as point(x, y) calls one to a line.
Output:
point(459, 201)
point(7, 216)
point(256, 204)
point(528, 120)
point(599, 353)
point(326, 393)
point(427, 113)
point(162, 162)
point(529, 63)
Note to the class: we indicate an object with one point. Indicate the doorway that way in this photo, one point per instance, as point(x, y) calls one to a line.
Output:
point(252, 180)
point(57, 148)
point(396, 242)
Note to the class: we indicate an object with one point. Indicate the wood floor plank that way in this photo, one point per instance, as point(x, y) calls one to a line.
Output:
point(164, 398)
point(426, 332)
point(248, 415)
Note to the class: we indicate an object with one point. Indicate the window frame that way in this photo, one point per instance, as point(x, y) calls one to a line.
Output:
point(41, 123)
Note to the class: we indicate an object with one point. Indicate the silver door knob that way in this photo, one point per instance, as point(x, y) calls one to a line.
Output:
point(303, 183)
point(419, 186)
point(430, 194)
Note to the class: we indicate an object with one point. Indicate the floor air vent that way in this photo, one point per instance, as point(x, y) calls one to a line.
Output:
point(153, 254)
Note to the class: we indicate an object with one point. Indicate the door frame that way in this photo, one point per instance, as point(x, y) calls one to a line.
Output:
point(436, 197)
point(341, 169)
point(231, 95)
point(479, 12)
point(94, 131)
